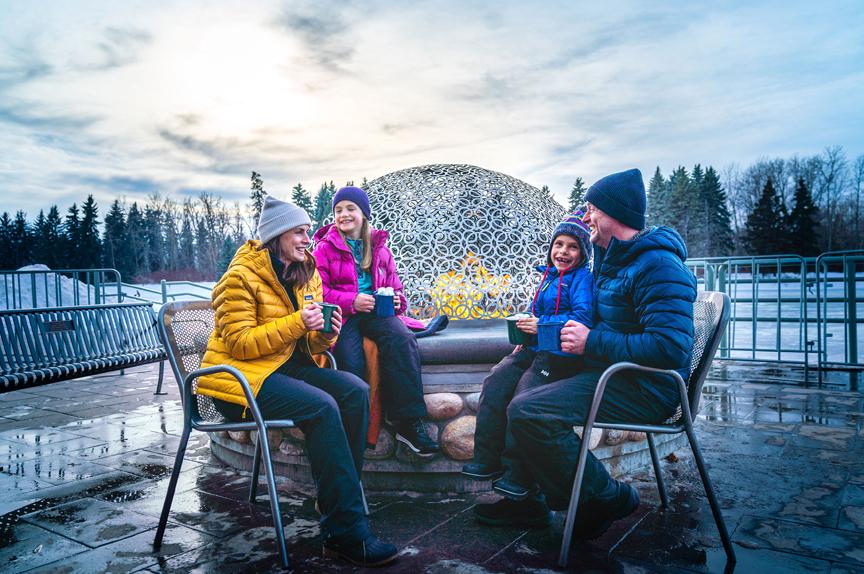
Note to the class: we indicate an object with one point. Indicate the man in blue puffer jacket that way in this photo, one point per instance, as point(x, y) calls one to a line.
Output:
point(643, 314)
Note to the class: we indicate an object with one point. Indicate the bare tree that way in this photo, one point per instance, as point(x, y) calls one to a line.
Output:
point(831, 181)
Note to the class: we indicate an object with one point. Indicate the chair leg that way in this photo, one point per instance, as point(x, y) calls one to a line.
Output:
point(363, 496)
point(172, 486)
point(256, 469)
point(712, 498)
point(159, 384)
point(655, 461)
point(567, 538)
point(274, 502)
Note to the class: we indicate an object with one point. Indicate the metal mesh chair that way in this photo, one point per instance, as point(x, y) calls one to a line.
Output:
point(711, 312)
point(185, 327)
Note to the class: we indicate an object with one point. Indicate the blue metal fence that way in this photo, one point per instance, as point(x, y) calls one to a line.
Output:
point(784, 307)
point(59, 288)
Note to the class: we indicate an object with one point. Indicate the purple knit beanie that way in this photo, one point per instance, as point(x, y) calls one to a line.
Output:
point(355, 194)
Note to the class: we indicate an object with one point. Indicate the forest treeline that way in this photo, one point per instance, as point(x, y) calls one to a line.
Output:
point(804, 205)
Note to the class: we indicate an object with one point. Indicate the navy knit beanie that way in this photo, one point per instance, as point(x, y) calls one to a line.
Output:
point(355, 194)
point(620, 196)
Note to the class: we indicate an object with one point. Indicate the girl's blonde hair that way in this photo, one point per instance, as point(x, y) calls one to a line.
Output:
point(366, 236)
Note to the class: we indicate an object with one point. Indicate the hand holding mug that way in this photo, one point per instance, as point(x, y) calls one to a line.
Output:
point(312, 317)
point(364, 303)
point(574, 336)
point(528, 325)
point(335, 322)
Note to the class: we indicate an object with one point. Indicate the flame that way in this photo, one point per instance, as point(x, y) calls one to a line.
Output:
point(464, 292)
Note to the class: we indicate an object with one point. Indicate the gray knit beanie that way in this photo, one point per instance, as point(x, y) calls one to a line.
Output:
point(277, 217)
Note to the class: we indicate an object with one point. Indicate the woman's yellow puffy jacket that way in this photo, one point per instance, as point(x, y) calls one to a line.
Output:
point(257, 328)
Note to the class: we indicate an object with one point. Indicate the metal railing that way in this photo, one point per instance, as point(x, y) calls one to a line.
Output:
point(848, 262)
point(786, 307)
point(59, 288)
point(165, 293)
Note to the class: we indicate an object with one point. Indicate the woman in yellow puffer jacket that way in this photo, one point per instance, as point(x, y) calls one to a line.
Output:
point(268, 326)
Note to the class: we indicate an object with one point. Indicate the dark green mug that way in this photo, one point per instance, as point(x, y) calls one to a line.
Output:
point(327, 310)
point(516, 336)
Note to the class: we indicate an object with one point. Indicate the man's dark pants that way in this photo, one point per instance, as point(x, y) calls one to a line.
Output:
point(399, 364)
point(332, 409)
point(540, 425)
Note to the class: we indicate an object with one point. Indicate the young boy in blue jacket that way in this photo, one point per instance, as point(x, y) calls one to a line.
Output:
point(566, 292)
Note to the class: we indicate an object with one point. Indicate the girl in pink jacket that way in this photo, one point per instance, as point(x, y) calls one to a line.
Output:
point(354, 262)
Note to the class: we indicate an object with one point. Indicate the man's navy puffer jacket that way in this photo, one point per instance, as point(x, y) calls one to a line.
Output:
point(644, 308)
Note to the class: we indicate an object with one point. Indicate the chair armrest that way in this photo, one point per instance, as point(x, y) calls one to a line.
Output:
point(626, 366)
point(330, 359)
point(234, 372)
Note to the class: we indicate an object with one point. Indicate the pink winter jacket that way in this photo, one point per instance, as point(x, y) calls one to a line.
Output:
point(339, 274)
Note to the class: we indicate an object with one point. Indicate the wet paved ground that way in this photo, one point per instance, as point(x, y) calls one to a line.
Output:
point(84, 466)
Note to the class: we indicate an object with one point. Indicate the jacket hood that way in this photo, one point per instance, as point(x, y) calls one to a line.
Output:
point(330, 234)
point(656, 238)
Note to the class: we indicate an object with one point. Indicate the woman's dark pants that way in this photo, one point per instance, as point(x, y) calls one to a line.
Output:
point(332, 409)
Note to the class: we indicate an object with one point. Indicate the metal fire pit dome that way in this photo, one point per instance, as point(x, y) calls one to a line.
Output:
point(466, 239)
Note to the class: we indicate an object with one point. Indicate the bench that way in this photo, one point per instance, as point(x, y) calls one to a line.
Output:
point(39, 346)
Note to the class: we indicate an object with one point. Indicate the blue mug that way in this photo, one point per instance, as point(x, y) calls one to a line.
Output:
point(384, 305)
point(549, 335)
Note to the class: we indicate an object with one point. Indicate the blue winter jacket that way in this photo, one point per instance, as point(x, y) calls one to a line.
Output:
point(577, 297)
point(644, 308)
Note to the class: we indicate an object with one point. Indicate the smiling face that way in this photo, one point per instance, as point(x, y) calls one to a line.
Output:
point(565, 252)
point(293, 244)
point(349, 218)
point(602, 226)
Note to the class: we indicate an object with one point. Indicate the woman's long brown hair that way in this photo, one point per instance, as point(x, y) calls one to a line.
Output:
point(297, 273)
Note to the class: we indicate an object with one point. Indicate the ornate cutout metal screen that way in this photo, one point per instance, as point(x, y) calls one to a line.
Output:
point(466, 239)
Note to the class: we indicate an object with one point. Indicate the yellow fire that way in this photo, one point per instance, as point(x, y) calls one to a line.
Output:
point(467, 291)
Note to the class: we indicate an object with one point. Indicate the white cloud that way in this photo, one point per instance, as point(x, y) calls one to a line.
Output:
point(177, 95)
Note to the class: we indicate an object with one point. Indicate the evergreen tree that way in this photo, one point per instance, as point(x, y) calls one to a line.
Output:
point(117, 251)
point(658, 200)
point(546, 191)
point(715, 217)
point(71, 258)
point(137, 238)
point(300, 197)
point(802, 222)
point(21, 241)
point(46, 238)
point(256, 198)
point(155, 244)
point(186, 248)
point(764, 230)
point(6, 242)
point(88, 242)
point(172, 236)
point(682, 197)
point(577, 195)
point(323, 207)
point(40, 247)
point(53, 238)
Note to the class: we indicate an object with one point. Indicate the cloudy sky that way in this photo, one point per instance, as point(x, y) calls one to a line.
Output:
point(123, 99)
